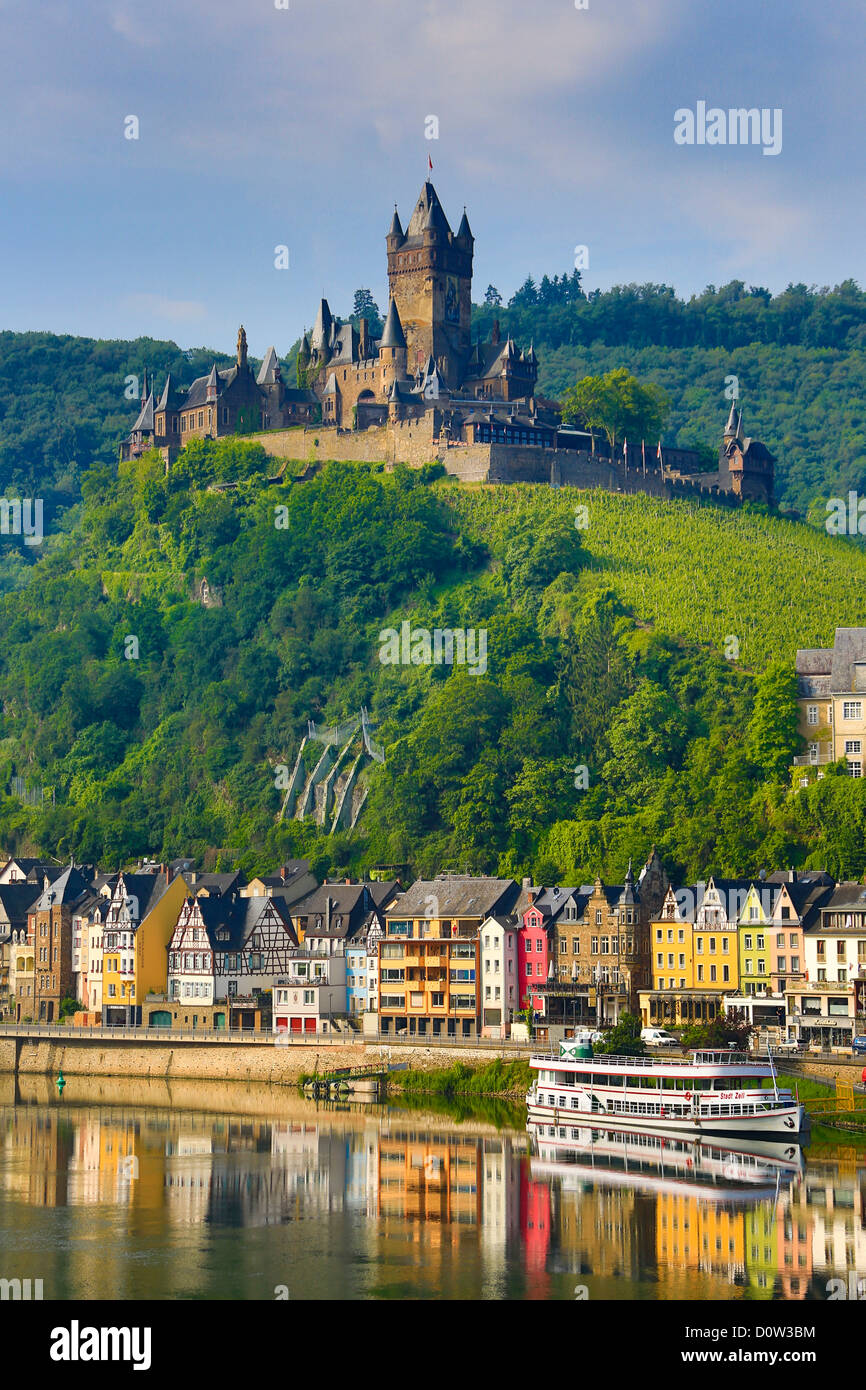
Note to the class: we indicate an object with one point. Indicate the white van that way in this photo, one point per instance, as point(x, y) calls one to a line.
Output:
point(657, 1037)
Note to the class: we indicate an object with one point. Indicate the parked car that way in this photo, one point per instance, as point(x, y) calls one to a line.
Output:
point(858, 1044)
point(658, 1037)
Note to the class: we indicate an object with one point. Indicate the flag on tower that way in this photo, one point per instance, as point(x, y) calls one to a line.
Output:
point(625, 453)
point(430, 164)
point(659, 455)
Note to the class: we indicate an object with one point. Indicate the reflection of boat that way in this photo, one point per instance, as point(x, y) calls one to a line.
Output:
point(716, 1170)
point(711, 1093)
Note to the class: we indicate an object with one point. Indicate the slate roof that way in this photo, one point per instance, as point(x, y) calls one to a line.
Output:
point(145, 416)
point(15, 900)
point(427, 215)
point(350, 901)
point(457, 895)
point(197, 394)
point(269, 371)
point(392, 334)
point(65, 889)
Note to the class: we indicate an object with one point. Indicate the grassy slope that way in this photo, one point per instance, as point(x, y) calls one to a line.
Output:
point(700, 572)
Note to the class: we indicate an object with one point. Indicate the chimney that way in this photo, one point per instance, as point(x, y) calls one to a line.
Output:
point(284, 873)
point(166, 872)
point(531, 898)
point(527, 883)
point(363, 340)
point(348, 882)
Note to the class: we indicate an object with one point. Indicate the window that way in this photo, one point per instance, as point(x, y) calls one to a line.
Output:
point(747, 942)
point(811, 714)
point(681, 936)
point(593, 946)
point(780, 940)
point(539, 969)
point(658, 934)
point(660, 959)
point(760, 943)
point(724, 945)
point(670, 934)
point(821, 947)
point(712, 945)
point(840, 949)
point(855, 769)
point(780, 963)
point(795, 965)
point(748, 967)
point(852, 745)
point(598, 917)
point(822, 974)
point(852, 709)
point(575, 947)
point(700, 972)
point(670, 958)
point(713, 973)
point(563, 947)
point(309, 996)
point(682, 961)
point(762, 964)
point(726, 973)
point(604, 946)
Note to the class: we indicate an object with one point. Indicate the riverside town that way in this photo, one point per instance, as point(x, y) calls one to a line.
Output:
point(432, 677)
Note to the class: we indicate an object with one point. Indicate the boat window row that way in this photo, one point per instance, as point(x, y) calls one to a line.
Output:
point(611, 1080)
point(648, 1107)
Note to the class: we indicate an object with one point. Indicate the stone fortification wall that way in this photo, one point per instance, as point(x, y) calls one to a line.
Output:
point(412, 442)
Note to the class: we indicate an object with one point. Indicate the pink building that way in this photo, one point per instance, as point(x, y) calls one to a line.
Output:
point(532, 955)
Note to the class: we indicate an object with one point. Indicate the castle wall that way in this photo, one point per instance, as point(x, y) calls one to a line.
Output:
point(412, 442)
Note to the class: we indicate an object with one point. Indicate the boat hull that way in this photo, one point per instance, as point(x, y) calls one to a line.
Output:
point(787, 1123)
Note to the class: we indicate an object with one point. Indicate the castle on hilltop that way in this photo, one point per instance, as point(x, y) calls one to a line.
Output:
point(423, 390)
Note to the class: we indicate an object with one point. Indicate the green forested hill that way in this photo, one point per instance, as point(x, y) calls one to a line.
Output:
point(606, 650)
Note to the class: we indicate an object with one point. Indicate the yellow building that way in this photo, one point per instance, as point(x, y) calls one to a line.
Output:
point(139, 923)
point(694, 954)
point(831, 696)
point(697, 1235)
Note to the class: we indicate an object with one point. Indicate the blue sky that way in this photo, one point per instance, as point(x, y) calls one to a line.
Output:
point(261, 127)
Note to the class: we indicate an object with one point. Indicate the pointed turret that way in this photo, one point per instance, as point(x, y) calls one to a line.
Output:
point(396, 229)
point(269, 372)
point(168, 393)
point(213, 383)
point(304, 349)
point(464, 232)
point(323, 328)
point(731, 426)
point(392, 334)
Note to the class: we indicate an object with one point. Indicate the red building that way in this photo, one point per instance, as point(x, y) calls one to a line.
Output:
point(533, 961)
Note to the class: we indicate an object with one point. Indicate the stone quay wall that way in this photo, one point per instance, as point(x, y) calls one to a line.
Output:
point(267, 1061)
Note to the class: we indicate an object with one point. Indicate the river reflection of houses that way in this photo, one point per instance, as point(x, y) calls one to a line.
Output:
point(462, 1210)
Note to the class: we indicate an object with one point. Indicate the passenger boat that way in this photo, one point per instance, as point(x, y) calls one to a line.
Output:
point(725, 1170)
point(709, 1093)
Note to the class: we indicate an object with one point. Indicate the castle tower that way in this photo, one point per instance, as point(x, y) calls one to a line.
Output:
point(392, 347)
point(430, 278)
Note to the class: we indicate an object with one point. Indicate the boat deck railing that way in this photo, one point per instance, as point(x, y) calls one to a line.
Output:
point(702, 1059)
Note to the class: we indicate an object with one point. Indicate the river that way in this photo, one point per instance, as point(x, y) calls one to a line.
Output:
point(147, 1189)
